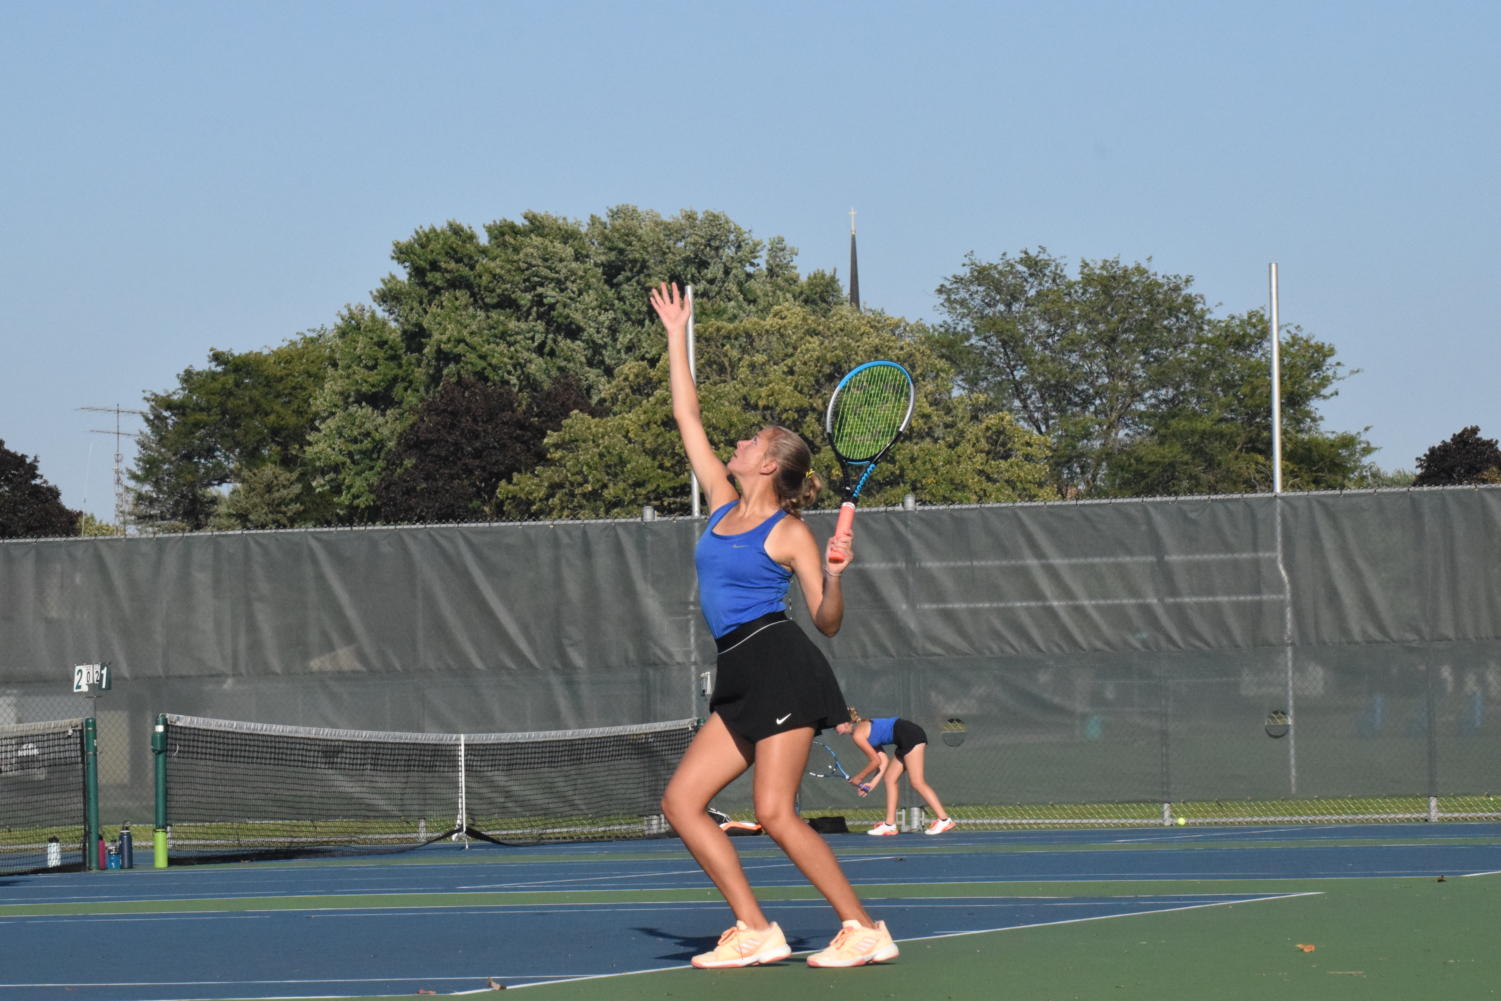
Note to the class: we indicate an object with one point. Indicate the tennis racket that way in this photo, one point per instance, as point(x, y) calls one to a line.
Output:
point(868, 412)
point(823, 763)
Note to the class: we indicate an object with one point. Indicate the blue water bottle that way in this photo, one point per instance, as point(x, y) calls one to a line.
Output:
point(127, 848)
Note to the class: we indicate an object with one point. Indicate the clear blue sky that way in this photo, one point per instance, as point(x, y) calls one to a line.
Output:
point(181, 176)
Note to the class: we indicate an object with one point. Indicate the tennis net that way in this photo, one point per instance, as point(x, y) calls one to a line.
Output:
point(240, 789)
point(43, 796)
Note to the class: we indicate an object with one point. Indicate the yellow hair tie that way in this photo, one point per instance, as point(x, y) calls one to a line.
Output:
point(809, 474)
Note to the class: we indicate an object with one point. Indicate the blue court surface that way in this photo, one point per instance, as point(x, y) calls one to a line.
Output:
point(450, 920)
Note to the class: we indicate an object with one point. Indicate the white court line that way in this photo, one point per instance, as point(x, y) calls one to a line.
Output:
point(1133, 914)
point(81, 919)
point(233, 983)
point(1169, 837)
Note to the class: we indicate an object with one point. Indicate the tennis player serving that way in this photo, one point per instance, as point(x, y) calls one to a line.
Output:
point(773, 689)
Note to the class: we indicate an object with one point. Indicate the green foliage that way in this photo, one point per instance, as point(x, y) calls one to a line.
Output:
point(30, 507)
point(92, 527)
point(1372, 477)
point(432, 402)
point(242, 412)
point(267, 496)
point(1208, 430)
point(1139, 389)
point(466, 439)
point(1464, 458)
point(365, 403)
point(778, 370)
point(1076, 359)
point(536, 300)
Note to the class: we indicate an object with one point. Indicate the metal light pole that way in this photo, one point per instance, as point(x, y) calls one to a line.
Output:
point(693, 374)
point(1276, 379)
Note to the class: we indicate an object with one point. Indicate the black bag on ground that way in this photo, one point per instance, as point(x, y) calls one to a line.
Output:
point(828, 825)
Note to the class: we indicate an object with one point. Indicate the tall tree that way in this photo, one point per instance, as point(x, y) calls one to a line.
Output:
point(1076, 359)
point(30, 507)
point(223, 422)
point(778, 369)
point(1208, 428)
point(467, 438)
point(1140, 390)
point(1464, 458)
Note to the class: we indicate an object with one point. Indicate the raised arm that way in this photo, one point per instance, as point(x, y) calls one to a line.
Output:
point(673, 310)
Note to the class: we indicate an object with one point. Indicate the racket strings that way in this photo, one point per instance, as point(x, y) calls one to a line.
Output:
point(870, 411)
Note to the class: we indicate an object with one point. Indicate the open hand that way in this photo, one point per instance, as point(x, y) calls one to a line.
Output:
point(671, 306)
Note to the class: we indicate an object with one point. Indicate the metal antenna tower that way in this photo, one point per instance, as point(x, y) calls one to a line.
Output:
point(120, 434)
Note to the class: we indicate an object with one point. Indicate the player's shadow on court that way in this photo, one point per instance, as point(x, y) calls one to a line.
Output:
point(690, 945)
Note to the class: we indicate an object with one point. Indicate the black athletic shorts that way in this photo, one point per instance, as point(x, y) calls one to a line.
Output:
point(772, 678)
point(906, 735)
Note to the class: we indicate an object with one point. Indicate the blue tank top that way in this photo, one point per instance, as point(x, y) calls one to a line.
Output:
point(881, 731)
point(737, 581)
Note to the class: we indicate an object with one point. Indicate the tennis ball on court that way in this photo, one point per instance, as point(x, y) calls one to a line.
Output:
point(1181, 821)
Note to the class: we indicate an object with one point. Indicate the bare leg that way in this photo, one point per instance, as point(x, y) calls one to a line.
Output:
point(714, 759)
point(915, 775)
point(780, 762)
point(893, 773)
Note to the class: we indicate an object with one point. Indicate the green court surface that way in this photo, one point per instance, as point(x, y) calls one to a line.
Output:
point(1405, 939)
point(1376, 940)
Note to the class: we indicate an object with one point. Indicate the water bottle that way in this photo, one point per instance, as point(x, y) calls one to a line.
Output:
point(54, 853)
point(127, 848)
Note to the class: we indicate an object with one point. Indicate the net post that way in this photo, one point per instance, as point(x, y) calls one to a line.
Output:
point(462, 825)
point(91, 834)
point(159, 759)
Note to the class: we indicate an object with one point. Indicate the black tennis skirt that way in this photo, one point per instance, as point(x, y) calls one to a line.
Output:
point(772, 678)
point(906, 735)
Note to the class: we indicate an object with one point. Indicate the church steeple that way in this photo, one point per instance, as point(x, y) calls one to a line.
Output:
point(854, 267)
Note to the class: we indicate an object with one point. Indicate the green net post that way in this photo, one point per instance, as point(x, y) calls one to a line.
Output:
point(91, 794)
point(159, 828)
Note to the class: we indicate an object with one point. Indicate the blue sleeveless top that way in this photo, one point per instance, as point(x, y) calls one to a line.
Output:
point(737, 581)
point(881, 731)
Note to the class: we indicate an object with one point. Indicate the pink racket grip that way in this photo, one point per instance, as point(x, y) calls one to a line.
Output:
point(842, 526)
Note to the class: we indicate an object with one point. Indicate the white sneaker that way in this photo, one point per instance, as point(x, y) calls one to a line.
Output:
point(939, 826)
point(740, 946)
point(856, 945)
point(882, 830)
